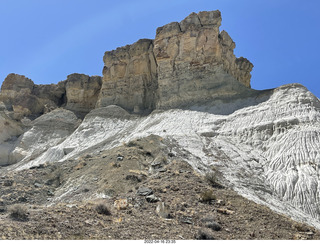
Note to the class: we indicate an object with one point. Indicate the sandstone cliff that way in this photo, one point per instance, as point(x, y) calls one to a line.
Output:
point(188, 62)
point(82, 92)
point(22, 98)
point(196, 62)
point(263, 144)
point(130, 77)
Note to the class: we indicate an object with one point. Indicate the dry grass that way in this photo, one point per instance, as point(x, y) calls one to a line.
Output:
point(18, 212)
point(102, 208)
point(207, 196)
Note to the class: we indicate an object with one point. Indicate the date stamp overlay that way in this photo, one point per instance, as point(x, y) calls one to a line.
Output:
point(160, 241)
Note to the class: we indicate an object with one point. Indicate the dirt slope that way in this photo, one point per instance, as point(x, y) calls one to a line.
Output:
point(196, 206)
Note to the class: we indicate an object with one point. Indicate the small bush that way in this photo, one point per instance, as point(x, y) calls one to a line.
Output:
point(213, 225)
point(132, 144)
point(205, 234)
point(102, 208)
point(207, 196)
point(212, 179)
point(301, 227)
point(18, 212)
point(8, 182)
point(55, 178)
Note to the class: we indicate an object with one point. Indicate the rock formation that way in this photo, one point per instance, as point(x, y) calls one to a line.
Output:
point(265, 144)
point(196, 62)
point(130, 77)
point(16, 94)
point(82, 92)
point(187, 63)
point(44, 132)
point(22, 98)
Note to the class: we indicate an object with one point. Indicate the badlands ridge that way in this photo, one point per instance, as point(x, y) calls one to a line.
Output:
point(187, 87)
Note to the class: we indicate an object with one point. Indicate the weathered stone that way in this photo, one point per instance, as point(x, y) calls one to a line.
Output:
point(50, 128)
point(188, 63)
point(186, 220)
point(51, 96)
point(79, 93)
point(21, 96)
point(50, 193)
point(129, 77)
point(16, 94)
point(82, 92)
point(196, 63)
point(121, 204)
point(163, 210)
point(9, 132)
point(144, 191)
point(38, 185)
point(152, 198)
point(17, 83)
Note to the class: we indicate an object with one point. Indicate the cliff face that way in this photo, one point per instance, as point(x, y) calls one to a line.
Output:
point(196, 62)
point(82, 92)
point(187, 63)
point(265, 144)
point(130, 77)
point(22, 98)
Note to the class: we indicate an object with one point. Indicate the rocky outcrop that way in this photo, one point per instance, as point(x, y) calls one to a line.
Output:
point(25, 99)
point(196, 62)
point(82, 92)
point(22, 98)
point(187, 63)
point(51, 96)
point(130, 77)
point(46, 131)
point(16, 94)
point(10, 130)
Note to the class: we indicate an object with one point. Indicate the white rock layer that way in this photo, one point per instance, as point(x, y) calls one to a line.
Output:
point(268, 151)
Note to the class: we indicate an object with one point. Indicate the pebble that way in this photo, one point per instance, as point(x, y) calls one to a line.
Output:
point(144, 191)
point(38, 185)
point(152, 198)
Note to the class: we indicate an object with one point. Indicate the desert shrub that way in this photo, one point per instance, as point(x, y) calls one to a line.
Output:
point(8, 182)
point(102, 208)
point(3, 209)
point(131, 144)
point(301, 227)
point(18, 212)
point(55, 178)
point(207, 196)
point(212, 179)
point(204, 234)
point(211, 224)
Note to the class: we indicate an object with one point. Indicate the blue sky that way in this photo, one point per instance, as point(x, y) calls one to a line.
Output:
point(46, 40)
